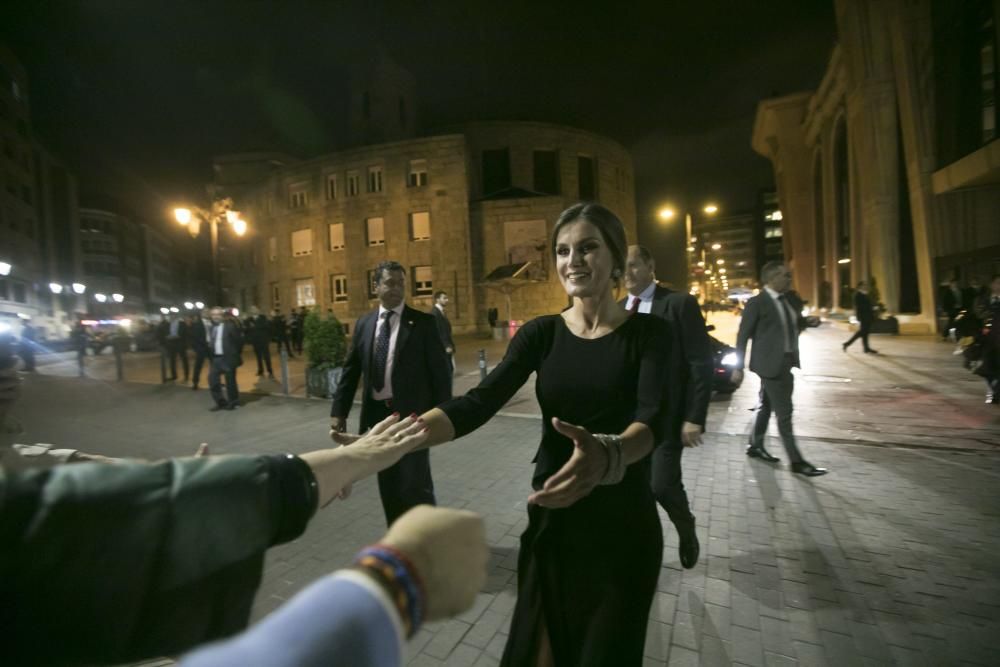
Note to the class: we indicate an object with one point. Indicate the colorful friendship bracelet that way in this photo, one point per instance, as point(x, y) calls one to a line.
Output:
point(398, 573)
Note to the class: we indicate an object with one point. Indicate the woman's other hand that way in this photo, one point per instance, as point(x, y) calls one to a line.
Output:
point(584, 470)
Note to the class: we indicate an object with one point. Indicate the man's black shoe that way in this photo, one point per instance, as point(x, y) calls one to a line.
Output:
point(689, 548)
point(270, 376)
point(761, 453)
point(229, 407)
point(844, 346)
point(808, 469)
point(194, 387)
point(871, 351)
point(216, 408)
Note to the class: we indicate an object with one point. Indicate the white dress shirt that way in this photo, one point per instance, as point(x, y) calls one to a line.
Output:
point(645, 299)
point(786, 315)
point(386, 392)
point(208, 330)
point(217, 332)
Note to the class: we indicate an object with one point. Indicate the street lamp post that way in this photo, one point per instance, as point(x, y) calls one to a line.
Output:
point(221, 210)
point(668, 213)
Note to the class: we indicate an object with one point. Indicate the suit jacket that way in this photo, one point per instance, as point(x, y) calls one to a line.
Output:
point(162, 332)
point(421, 372)
point(444, 328)
point(198, 337)
point(690, 363)
point(863, 307)
point(232, 343)
point(182, 334)
point(762, 322)
point(260, 332)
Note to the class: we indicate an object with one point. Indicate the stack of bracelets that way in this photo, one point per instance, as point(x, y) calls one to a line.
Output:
point(399, 578)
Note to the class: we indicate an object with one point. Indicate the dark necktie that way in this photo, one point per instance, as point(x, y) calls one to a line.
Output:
point(382, 351)
point(635, 305)
point(789, 320)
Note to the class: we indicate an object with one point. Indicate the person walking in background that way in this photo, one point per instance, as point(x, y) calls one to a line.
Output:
point(176, 344)
point(396, 353)
point(79, 339)
point(774, 325)
point(298, 329)
point(199, 339)
point(226, 342)
point(865, 312)
point(444, 326)
point(988, 311)
point(260, 338)
point(279, 331)
point(689, 374)
point(951, 304)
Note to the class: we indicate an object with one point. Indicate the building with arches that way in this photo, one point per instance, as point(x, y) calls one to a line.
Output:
point(890, 170)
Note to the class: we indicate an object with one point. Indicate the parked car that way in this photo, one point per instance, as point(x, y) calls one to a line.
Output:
point(724, 363)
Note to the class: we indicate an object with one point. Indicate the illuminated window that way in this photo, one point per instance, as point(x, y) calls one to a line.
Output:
point(337, 236)
point(423, 281)
point(305, 293)
point(302, 242)
point(376, 231)
point(420, 226)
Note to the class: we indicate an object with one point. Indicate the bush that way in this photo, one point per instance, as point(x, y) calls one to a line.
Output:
point(326, 344)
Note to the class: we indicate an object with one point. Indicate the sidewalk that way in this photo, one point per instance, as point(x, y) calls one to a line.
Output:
point(889, 559)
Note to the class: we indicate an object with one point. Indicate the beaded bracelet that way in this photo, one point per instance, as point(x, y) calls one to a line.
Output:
point(616, 460)
point(399, 575)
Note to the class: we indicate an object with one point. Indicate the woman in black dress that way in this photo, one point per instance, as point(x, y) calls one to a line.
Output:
point(590, 557)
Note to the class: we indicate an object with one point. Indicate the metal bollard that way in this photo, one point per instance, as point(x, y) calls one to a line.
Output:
point(284, 371)
point(482, 365)
point(119, 363)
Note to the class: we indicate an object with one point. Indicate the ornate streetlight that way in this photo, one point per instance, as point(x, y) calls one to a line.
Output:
point(221, 211)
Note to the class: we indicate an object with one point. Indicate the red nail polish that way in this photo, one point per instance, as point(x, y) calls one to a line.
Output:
point(425, 429)
point(413, 414)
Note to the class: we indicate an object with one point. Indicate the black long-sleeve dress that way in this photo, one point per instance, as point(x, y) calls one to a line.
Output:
point(589, 570)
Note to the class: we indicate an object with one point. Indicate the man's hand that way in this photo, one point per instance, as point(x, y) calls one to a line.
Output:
point(737, 376)
point(448, 549)
point(583, 471)
point(691, 434)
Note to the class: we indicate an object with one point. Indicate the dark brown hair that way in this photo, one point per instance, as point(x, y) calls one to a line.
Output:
point(611, 228)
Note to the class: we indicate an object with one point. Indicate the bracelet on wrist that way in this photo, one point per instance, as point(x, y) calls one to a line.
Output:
point(399, 575)
point(616, 459)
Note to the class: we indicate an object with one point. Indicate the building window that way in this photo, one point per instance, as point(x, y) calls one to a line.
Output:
point(331, 186)
point(338, 288)
point(272, 248)
point(420, 226)
point(375, 179)
point(305, 293)
point(297, 196)
point(353, 184)
point(302, 242)
point(546, 172)
point(275, 297)
point(496, 170)
point(423, 281)
point(337, 236)
point(772, 233)
point(372, 294)
point(586, 178)
point(376, 231)
point(418, 174)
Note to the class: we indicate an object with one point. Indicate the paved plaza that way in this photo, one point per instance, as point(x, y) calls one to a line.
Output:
point(892, 558)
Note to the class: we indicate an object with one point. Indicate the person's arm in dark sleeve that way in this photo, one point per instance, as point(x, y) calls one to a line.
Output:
point(654, 385)
point(748, 324)
point(343, 395)
point(475, 408)
point(698, 356)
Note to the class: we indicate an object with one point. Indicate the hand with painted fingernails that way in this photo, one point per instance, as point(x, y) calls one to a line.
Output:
point(584, 470)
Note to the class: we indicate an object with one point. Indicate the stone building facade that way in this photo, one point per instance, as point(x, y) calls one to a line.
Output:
point(450, 207)
point(890, 170)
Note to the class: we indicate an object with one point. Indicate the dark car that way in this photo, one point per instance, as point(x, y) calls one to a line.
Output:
point(724, 362)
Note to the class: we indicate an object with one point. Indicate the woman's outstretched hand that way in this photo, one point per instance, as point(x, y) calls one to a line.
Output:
point(583, 471)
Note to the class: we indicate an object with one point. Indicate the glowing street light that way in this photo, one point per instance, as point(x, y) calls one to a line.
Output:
point(720, 261)
point(199, 305)
point(79, 288)
point(164, 310)
point(174, 309)
point(100, 297)
point(117, 298)
point(240, 226)
point(56, 288)
point(189, 305)
point(711, 209)
point(5, 268)
point(220, 211)
point(716, 246)
point(846, 260)
point(183, 215)
point(666, 213)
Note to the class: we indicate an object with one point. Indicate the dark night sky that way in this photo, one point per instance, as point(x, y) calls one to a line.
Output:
point(138, 95)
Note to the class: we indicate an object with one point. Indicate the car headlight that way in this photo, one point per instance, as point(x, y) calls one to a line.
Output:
point(730, 359)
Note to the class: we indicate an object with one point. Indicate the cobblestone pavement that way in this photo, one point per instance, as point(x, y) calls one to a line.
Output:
point(889, 559)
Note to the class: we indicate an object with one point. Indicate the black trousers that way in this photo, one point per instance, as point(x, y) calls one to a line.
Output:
point(219, 369)
point(200, 357)
point(408, 482)
point(776, 396)
point(668, 484)
point(263, 352)
point(176, 349)
point(864, 328)
point(288, 346)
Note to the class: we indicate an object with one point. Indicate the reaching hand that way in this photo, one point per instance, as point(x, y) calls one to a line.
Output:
point(583, 471)
point(691, 434)
point(448, 549)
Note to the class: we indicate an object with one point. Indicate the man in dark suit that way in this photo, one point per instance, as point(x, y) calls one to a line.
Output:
point(773, 319)
point(198, 338)
point(444, 326)
point(865, 313)
point(279, 330)
point(690, 379)
point(398, 351)
point(226, 341)
point(951, 304)
point(176, 343)
point(260, 338)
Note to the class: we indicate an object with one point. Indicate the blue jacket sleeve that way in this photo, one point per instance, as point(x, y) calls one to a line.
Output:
point(336, 621)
